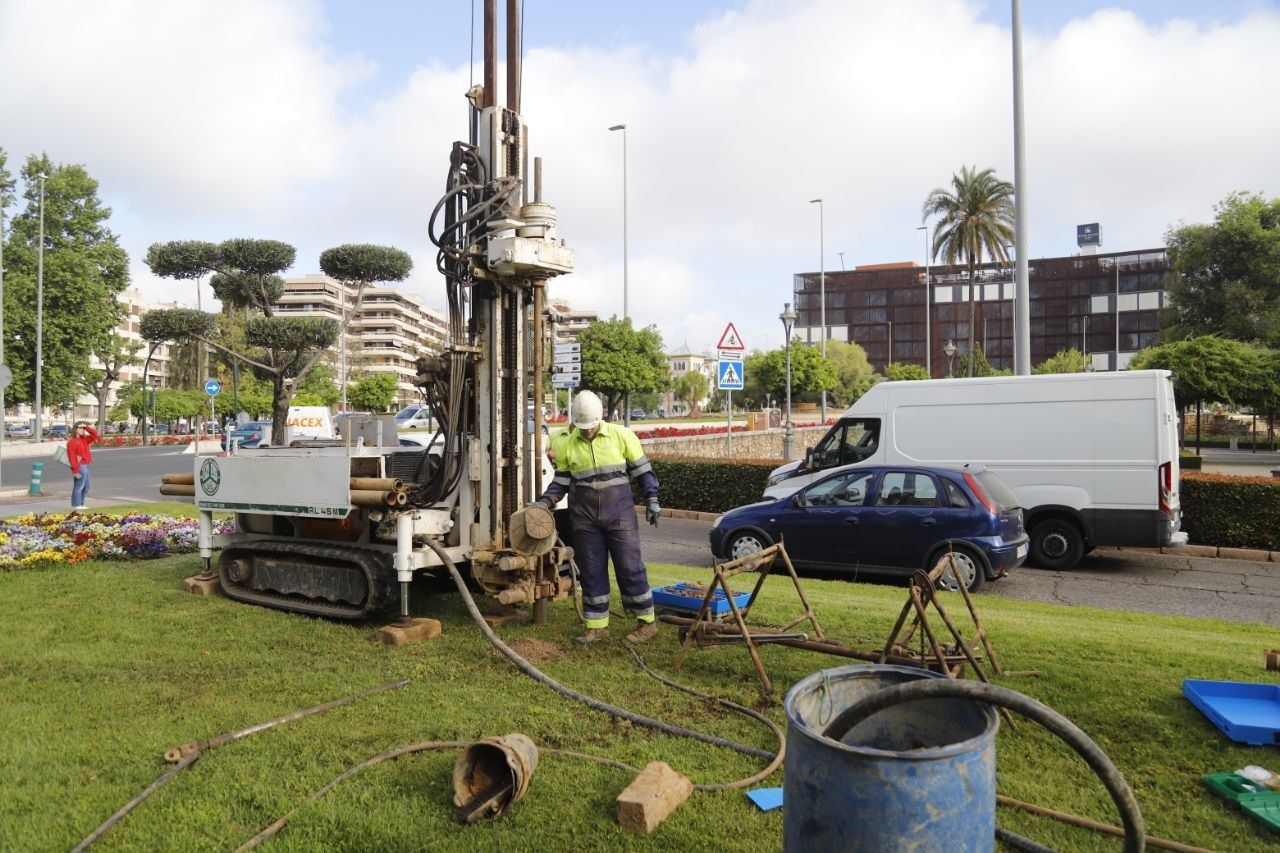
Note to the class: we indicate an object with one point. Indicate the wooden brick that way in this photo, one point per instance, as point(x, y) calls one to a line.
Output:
point(202, 586)
point(418, 629)
point(652, 797)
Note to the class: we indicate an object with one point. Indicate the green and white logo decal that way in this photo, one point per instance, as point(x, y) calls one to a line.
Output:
point(210, 477)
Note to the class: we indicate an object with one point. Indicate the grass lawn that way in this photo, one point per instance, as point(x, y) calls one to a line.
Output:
point(104, 666)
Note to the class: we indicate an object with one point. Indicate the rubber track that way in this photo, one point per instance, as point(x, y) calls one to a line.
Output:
point(380, 579)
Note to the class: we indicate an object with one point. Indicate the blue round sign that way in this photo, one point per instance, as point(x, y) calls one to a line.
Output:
point(212, 387)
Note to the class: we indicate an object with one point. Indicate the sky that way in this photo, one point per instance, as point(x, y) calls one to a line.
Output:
point(322, 122)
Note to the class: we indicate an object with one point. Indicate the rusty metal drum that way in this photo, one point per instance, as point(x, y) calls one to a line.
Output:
point(920, 776)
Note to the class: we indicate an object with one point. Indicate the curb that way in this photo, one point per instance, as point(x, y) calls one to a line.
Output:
point(1223, 552)
point(687, 514)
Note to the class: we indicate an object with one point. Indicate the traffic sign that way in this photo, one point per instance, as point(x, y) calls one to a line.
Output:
point(729, 375)
point(568, 358)
point(730, 340)
point(212, 387)
point(730, 355)
point(566, 380)
point(566, 368)
point(568, 347)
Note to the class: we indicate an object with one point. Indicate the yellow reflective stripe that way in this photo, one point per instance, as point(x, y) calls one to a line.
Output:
point(603, 622)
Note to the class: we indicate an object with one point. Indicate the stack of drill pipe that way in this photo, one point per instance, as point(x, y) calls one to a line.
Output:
point(178, 485)
point(379, 497)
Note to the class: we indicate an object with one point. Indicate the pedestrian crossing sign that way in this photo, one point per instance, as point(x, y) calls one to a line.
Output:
point(729, 375)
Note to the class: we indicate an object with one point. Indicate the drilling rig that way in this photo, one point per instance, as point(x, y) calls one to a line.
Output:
point(337, 528)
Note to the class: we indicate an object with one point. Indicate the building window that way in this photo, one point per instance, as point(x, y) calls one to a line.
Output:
point(1100, 305)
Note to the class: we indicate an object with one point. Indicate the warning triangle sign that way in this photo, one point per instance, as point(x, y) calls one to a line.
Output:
point(730, 339)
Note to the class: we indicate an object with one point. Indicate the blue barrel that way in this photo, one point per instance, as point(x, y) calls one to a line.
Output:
point(919, 776)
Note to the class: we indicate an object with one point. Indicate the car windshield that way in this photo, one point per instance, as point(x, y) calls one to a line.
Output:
point(999, 492)
point(408, 412)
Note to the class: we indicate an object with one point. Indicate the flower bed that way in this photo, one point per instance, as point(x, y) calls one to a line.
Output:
point(681, 432)
point(48, 539)
point(136, 440)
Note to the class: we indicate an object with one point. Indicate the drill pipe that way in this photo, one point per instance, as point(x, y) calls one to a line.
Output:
point(370, 497)
point(178, 490)
point(178, 479)
point(377, 484)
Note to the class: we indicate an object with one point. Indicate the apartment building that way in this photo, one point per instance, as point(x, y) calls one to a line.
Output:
point(566, 322)
point(134, 305)
point(389, 332)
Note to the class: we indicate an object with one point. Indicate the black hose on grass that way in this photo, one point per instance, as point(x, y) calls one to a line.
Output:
point(590, 701)
point(946, 688)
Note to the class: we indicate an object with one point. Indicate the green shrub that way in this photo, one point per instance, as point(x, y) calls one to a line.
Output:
point(1238, 512)
point(709, 485)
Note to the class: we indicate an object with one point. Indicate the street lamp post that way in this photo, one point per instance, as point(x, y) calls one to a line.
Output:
point(822, 288)
point(950, 350)
point(788, 318)
point(626, 398)
point(928, 311)
point(40, 316)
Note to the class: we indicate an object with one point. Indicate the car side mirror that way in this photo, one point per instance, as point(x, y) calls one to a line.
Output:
point(808, 457)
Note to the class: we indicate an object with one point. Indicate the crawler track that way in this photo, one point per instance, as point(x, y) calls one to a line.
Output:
point(331, 581)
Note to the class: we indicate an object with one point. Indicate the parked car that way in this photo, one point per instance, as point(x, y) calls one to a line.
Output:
point(414, 417)
point(61, 432)
point(887, 519)
point(158, 429)
point(638, 414)
point(18, 430)
point(249, 434)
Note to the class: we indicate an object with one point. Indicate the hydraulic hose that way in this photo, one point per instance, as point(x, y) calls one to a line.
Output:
point(946, 688)
point(568, 692)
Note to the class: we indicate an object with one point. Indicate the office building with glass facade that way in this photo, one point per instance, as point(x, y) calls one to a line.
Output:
point(1108, 305)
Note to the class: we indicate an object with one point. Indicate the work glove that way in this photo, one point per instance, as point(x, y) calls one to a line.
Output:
point(652, 512)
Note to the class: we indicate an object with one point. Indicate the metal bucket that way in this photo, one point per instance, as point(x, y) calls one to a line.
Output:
point(920, 776)
point(508, 760)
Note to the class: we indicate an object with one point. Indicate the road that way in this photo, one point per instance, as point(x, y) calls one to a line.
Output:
point(1234, 590)
point(119, 475)
point(1204, 588)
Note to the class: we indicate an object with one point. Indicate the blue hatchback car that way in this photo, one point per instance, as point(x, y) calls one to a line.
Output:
point(887, 519)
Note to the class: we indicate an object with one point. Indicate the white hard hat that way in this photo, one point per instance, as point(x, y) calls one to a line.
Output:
point(587, 410)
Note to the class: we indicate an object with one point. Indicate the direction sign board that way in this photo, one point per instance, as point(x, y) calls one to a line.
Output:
point(567, 358)
point(730, 339)
point(729, 375)
point(566, 368)
point(212, 387)
point(566, 380)
point(567, 347)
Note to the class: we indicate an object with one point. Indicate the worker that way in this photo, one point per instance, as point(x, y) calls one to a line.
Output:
point(596, 463)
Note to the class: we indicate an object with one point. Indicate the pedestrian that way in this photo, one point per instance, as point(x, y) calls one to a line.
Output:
point(79, 458)
point(596, 463)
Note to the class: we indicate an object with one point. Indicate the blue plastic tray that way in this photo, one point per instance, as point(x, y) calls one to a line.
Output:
point(669, 596)
point(1246, 713)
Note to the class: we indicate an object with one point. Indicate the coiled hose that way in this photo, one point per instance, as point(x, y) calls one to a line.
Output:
point(775, 759)
point(946, 688)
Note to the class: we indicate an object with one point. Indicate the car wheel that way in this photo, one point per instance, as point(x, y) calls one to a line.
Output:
point(969, 564)
point(746, 543)
point(1056, 544)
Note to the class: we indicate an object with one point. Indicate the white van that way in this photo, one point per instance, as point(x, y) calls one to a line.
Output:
point(1092, 457)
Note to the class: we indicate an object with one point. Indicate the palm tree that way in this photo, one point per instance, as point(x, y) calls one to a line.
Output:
point(976, 218)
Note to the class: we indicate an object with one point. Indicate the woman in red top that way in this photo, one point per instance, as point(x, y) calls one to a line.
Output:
point(79, 456)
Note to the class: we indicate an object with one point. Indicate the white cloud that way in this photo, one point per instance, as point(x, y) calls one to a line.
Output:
point(220, 119)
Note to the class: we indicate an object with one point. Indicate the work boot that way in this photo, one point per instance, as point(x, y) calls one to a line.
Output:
point(591, 636)
point(644, 632)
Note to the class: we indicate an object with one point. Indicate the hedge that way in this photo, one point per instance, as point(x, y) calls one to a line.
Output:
point(708, 485)
point(1236, 512)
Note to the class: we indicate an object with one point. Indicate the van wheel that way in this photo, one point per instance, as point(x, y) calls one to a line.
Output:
point(1056, 544)
point(747, 543)
point(970, 566)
